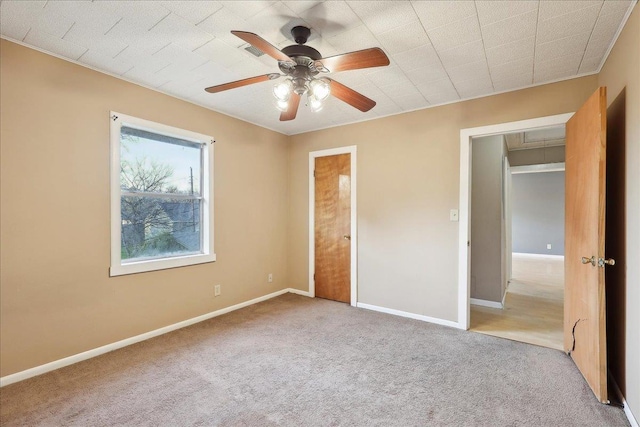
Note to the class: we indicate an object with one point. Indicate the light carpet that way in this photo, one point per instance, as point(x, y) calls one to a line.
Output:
point(296, 361)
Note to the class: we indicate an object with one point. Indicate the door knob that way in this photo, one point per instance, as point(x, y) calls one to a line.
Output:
point(602, 262)
point(591, 260)
point(346, 237)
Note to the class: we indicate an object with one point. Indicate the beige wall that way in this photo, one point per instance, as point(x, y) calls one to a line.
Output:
point(56, 295)
point(487, 224)
point(408, 180)
point(621, 73)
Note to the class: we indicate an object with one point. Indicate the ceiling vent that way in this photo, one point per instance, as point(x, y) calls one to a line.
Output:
point(253, 50)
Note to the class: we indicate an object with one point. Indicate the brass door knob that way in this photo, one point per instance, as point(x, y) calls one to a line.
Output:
point(602, 262)
point(346, 237)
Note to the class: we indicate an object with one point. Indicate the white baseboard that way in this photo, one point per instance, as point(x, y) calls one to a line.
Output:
point(537, 256)
point(410, 315)
point(61, 363)
point(629, 414)
point(299, 292)
point(625, 406)
point(485, 303)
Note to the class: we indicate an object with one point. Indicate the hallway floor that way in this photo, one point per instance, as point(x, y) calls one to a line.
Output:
point(533, 310)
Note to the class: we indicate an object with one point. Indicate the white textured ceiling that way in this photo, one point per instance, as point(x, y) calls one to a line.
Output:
point(440, 51)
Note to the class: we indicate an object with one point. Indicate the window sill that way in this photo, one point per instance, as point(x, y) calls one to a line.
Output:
point(160, 264)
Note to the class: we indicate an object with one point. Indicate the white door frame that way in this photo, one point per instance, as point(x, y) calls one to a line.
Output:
point(466, 136)
point(352, 150)
point(508, 238)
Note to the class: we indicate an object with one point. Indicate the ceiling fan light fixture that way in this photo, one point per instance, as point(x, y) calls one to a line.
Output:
point(300, 64)
point(314, 103)
point(300, 85)
point(282, 105)
point(320, 88)
point(282, 90)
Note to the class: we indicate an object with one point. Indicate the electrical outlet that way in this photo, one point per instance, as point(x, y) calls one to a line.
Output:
point(270, 278)
point(548, 245)
point(216, 291)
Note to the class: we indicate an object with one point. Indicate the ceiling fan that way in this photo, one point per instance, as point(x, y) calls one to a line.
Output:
point(301, 64)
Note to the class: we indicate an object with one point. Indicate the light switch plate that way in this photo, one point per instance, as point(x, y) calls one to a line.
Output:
point(453, 215)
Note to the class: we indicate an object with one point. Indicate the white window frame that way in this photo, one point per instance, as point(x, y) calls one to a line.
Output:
point(118, 268)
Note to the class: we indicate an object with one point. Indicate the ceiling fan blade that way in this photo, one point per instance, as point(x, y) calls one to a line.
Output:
point(291, 112)
point(243, 82)
point(263, 45)
point(373, 57)
point(351, 97)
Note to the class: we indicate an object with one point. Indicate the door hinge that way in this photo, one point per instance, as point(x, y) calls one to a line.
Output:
point(314, 173)
point(314, 277)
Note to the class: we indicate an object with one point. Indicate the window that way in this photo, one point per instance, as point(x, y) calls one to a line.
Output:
point(161, 196)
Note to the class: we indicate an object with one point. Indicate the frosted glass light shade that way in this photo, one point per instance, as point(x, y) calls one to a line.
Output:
point(282, 90)
point(282, 105)
point(321, 89)
point(314, 103)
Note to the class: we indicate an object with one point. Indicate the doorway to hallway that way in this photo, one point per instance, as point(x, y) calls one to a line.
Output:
point(533, 303)
point(517, 236)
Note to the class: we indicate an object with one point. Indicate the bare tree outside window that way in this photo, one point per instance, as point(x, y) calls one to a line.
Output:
point(160, 207)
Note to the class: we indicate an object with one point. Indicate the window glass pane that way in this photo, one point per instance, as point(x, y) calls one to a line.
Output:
point(159, 227)
point(158, 164)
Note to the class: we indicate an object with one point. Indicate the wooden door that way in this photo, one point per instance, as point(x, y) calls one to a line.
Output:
point(332, 227)
point(584, 309)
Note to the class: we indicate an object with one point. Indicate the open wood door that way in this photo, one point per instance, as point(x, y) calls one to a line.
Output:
point(584, 309)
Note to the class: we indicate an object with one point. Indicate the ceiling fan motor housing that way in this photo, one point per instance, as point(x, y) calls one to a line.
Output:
point(297, 50)
point(304, 58)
